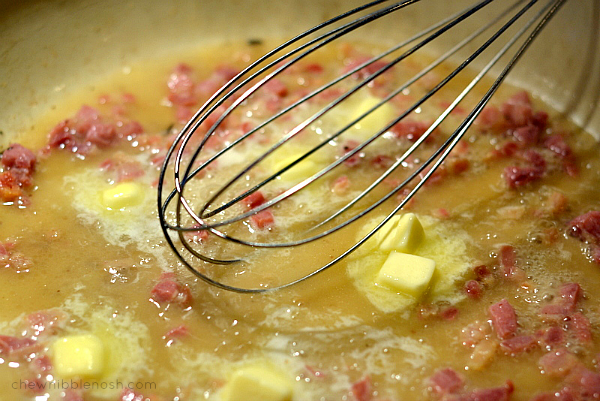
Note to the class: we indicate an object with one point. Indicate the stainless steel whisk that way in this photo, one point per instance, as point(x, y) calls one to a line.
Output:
point(514, 28)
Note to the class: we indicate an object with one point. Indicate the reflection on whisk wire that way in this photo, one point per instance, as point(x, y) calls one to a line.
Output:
point(526, 23)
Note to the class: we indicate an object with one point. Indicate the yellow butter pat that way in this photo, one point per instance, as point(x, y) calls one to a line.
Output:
point(406, 273)
point(405, 236)
point(257, 383)
point(78, 355)
point(386, 229)
point(298, 172)
point(125, 194)
point(375, 120)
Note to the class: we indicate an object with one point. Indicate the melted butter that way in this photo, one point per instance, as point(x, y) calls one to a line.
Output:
point(100, 267)
point(444, 243)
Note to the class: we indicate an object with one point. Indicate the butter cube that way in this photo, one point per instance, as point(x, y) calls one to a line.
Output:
point(125, 194)
point(300, 171)
point(257, 383)
point(405, 237)
point(374, 121)
point(383, 232)
point(78, 355)
point(405, 273)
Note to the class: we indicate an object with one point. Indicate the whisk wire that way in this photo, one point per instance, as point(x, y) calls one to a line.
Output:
point(546, 14)
point(443, 151)
point(189, 128)
point(358, 148)
point(193, 124)
point(432, 163)
point(300, 127)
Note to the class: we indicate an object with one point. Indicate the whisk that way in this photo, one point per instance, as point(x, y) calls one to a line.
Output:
point(191, 157)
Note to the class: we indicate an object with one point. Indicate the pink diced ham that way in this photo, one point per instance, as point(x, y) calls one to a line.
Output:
point(89, 129)
point(18, 156)
point(509, 149)
point(411, 130)
point(101, 134)
point(585, 382)
point(382, 161)
point(527, 135)
point(551, 336)
point(535, 159)
point(314, 68)
point(518, 344)
point(446, 381)
point(10, 345)
point(355, 159)
point(276, 87)
point(518, 110)
point(254, 199)
point(490, 118)
point(570, 293)
point(473, 289)
point(262, 220)
point(563, 395)
point(493, 394)
point(516, 176)
point(41, 364)
point(168, 290)
point(181, 86)
point(481, 272)
point(558, 363)
point(554, 310)
point(340, 185)
point(489, 394)
point(176, 333)
point(361, 390)
point(47, 322)
point(86, 114)
point(586, 226)
point(474, 333)
point(197, 236)
point(129, 129)
point(557, 144)
point(449, 313)
point(504, 319)
point(581, 326)
point(508, 260)
point(19, 165)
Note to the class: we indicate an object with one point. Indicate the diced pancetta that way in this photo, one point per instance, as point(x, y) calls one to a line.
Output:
point(518, 344)
point(558, 363)
point(262, 220)
point(361, 390)
point(168, 290)
point(586, 226)
point(446, 381)
point(254, 199)
point(504, 319)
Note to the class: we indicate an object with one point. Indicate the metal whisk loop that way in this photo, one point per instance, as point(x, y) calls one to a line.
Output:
point(300, 127)
point(233, 94)
point(188, 131)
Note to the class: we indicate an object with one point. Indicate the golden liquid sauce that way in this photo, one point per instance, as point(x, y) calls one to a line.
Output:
point(325, 324)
